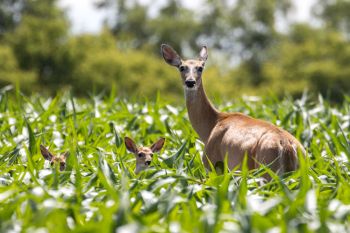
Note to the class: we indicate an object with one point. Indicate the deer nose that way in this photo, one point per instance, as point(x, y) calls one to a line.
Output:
point(147, 163)
point(190, 83)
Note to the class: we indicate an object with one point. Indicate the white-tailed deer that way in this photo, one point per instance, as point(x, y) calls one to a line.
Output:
point(231, 134)
point(143, 154)
point(53, 159)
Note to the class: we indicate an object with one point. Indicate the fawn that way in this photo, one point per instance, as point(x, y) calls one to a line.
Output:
point(53, 159)
point(143, 154)
point(231, 134)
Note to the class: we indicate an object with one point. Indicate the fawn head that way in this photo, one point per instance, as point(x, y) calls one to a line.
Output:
point(191, 70)
point(143, 154)
point(53, 159)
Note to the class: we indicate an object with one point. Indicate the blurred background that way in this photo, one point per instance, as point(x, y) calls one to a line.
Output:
point(255, 47)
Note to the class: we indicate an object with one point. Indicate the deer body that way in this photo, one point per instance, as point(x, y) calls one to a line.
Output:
point(236, 135)
point(231, 134)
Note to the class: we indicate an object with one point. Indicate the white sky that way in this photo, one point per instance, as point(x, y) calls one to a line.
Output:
point(86, 19)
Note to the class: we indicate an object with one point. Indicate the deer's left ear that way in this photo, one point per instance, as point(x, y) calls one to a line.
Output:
point(203, 54)
point(157, 146)
point(46, 153)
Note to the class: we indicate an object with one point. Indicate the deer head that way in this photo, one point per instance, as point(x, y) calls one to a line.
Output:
point(143, 154)
point(53, 159)
point(191, 70)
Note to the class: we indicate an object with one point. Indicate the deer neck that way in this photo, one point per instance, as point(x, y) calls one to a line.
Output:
point(202, 113)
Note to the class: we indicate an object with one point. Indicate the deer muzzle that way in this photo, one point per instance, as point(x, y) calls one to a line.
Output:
point(190, 83)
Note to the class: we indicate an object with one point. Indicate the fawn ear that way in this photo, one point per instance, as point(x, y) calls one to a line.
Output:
point(170, 55)
point(157, 146)
point(130, 145)
point(46, 153)
point(65, 154)
point(203, 54)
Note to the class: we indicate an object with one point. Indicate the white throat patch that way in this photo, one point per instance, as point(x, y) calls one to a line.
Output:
point(190, 93)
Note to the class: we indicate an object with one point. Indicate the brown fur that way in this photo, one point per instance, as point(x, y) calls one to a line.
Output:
point(53, 159)
point(232, 134)
point(143, 155)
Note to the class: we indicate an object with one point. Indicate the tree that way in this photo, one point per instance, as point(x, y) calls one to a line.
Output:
point(175, 25)
point(99, 63)
point(246, 28)
point(38, 41)
point(9, 69)
point(134, 27)
point(335, 15)
point(310, 58)
point(10, 12)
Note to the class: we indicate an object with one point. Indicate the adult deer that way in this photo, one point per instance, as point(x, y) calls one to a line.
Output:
point(231, 134)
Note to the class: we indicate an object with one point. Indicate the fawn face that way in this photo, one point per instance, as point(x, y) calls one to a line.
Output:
point(143, 154)
point(190, 70)
point(53, 159)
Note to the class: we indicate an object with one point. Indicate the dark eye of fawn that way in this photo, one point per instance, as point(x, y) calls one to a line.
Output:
point(182, 68)
point(140, 155)
point(200, 69)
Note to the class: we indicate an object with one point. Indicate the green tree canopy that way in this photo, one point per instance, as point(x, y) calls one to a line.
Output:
point(335, 15)
point(250, 54)
point(10, 12)
point(38, 41)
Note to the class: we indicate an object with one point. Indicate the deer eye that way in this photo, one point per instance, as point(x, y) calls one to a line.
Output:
point(182, 68)
point(141, 154)
point(200, 69)
point(151, 154)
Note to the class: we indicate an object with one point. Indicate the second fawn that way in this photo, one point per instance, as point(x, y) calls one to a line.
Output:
point(231, 134)
point(143, 154)
point(59, 160)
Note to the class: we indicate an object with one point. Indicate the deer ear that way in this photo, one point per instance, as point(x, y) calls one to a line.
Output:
point(130, 145)
point(46, 153)
point(170, 55)
point(157, 146)
point(65, 154)
point(203, 54)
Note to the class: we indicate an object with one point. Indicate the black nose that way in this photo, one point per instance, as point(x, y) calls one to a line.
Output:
point(190, 83)
point(147, 163)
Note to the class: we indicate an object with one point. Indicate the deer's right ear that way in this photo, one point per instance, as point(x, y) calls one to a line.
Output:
point(46, 153)
point(170, 55)
point(130, 145)
point(203, 54)
point(157, 146)
point(65, 154)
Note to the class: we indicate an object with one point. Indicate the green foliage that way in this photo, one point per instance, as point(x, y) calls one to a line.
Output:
point(310, 59)
point(100, 192)
point(38, 41)
point(10, 72)
point(9, 9)
point(135, 28)
point(247, 54)
point(335, 14)
point(100, 64)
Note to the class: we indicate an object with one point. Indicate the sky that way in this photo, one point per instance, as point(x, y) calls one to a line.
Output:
point(85, 18)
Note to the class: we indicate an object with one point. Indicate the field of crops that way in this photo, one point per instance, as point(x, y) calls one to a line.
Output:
point(99, 191)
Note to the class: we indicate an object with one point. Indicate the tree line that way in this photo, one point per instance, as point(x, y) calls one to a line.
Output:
point(248, 54)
